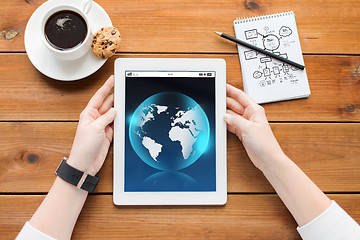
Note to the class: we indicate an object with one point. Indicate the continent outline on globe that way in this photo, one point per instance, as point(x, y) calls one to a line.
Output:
point(181, 124)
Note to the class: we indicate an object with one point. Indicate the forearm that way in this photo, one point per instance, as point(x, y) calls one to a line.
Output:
point(59, 211)
point(57, 214)
point(301, 196)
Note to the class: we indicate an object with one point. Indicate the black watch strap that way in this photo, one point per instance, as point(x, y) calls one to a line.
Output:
point(76, 177)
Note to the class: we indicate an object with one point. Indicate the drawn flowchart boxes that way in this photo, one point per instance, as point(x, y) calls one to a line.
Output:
point(276, 70)
point(250, 34)
point(262, 83)
point(284, 55)
point(286, 68)
point(265, 59)
point(267, 72)
point(251, 54)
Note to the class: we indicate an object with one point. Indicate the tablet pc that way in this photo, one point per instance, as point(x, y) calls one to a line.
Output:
point(169, 132)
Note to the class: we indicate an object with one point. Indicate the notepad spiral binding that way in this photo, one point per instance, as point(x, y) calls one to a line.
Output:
point(263, 17)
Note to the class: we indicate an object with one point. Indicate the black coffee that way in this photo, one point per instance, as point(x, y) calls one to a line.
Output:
point(65, 30)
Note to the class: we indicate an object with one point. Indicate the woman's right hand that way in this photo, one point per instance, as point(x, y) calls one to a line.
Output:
point(94, 132)
point(248, 121)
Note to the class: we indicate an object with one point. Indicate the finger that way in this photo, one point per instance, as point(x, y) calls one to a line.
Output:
point(109, 132)
point(229, 111)
point(106, 118)
point(107, 104)
point(231, 129)
point(234, 105)
point(112, 127)
point(235, 120)
point(97, 100)
point(239, 95)
point(255, 113)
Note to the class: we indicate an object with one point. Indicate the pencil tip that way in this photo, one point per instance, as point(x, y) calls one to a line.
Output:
point(219, 33)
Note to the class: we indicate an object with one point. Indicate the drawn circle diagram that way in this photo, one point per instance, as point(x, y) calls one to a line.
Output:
point(271, 42)
point(257, 74)
point(285, 31)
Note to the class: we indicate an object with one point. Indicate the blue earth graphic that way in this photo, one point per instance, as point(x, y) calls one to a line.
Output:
point(169, 131)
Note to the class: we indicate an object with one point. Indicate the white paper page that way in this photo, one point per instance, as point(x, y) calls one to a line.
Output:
point(267, 79)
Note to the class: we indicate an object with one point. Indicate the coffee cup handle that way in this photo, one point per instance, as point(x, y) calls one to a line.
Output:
point(86, 6)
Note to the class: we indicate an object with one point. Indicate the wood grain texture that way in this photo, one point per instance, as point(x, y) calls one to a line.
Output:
point(327, 150)
point(26, 94)
point(328, 153)
point(329, 26)
point(243, 217)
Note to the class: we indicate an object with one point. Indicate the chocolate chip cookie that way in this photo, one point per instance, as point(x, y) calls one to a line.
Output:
point(105, 42)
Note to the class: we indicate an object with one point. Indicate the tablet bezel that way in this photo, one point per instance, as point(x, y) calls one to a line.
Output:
point(218, 197)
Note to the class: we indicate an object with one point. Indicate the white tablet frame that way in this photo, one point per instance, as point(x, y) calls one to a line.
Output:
point(218, 197)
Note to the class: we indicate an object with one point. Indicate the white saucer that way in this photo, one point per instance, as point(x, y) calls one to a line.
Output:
point(46, 62)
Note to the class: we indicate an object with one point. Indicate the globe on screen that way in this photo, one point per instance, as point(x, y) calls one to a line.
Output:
point(169, 131)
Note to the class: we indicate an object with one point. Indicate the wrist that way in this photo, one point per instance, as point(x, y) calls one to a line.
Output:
point(82, 165)
point(273, 162)
point(60, 183)
point(76, 177)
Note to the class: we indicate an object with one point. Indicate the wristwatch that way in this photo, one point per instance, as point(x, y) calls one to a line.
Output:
point(76, 177)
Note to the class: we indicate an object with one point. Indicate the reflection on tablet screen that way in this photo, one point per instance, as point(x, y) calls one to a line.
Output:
point(170, 131)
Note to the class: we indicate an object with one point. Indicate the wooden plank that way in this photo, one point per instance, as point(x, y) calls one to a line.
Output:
point(243, 217)
point(26, 94)
point(187, 26)
point(328, 153)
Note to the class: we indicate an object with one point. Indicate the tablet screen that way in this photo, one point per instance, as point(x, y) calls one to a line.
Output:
point(169, 131)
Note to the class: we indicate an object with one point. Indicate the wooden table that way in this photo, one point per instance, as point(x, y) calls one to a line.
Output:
point(38, 118)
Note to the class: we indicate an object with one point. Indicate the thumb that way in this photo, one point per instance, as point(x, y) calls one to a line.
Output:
point(235, 120)
point(106, 118)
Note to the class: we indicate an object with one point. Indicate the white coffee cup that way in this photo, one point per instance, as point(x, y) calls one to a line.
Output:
point(81, 49)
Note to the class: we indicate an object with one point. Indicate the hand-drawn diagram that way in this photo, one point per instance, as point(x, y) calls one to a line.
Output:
point(270, 71)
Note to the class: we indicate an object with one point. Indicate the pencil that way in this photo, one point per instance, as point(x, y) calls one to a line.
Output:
point(223, 35)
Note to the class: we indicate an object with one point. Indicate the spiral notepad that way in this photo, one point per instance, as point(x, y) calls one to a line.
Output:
point(266, 79)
